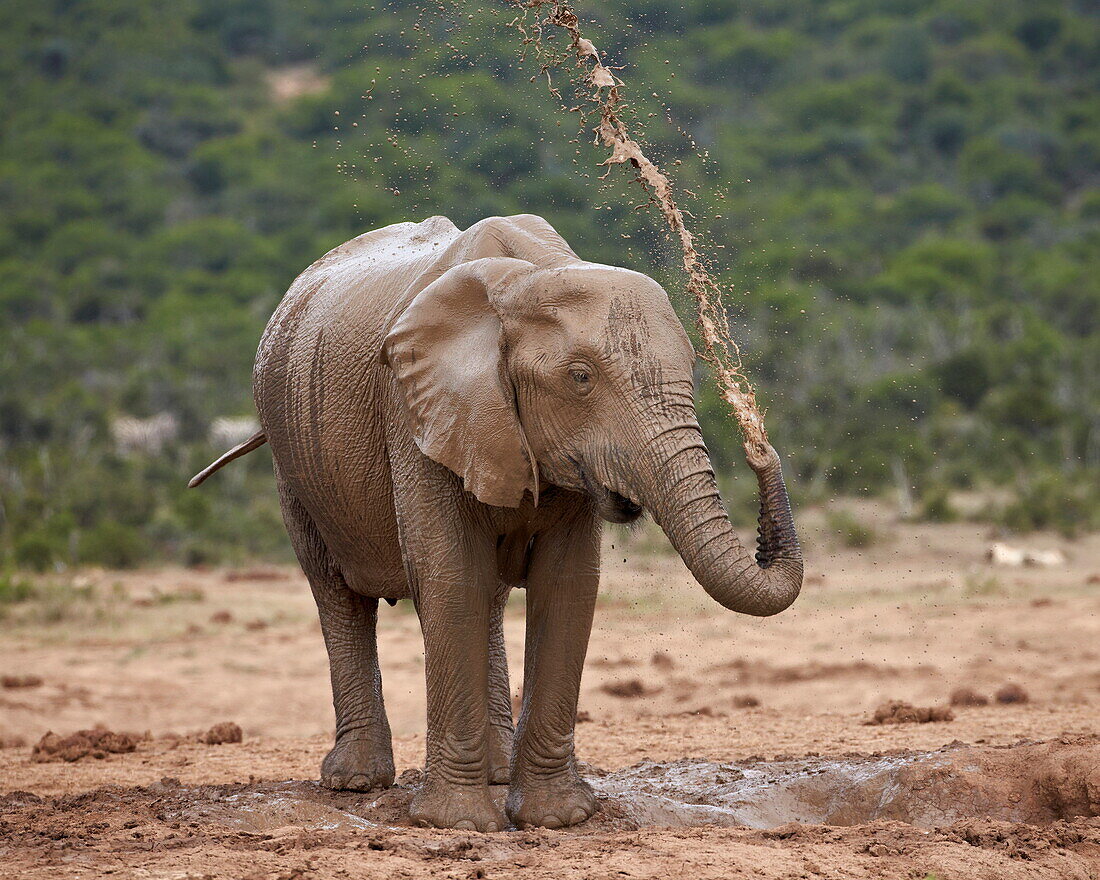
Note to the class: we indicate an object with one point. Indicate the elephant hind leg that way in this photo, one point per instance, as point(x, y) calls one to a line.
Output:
point(501, 730)
point(362, 757)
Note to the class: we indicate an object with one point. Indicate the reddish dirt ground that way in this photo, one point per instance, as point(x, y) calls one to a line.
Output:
point(919, 614)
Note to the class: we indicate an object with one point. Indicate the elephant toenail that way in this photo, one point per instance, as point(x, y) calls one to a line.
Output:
point(359, 781)
point(577, 816)
point(492, 826)
point(551, 822)
point(464, 825)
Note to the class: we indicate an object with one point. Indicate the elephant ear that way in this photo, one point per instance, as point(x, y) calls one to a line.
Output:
point(445, 350)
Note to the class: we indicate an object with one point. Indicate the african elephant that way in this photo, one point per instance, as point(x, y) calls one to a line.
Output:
point(451, 414)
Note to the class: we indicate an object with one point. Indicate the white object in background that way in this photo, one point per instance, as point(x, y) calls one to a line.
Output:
point(231, 430)
point(149, 435)
point(1015, 557)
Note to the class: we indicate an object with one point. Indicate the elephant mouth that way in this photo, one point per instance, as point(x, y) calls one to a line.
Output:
point(618, 508)
point(610, 505)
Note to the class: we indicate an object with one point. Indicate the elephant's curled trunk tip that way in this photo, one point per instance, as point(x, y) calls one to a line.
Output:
point(689, 509)
point(254, 442)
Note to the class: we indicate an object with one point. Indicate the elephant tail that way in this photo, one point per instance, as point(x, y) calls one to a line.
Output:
point(254, 442)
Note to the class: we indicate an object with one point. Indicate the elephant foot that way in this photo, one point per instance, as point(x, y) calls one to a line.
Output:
point(551, 803)
point(357, 765)
point(500, 755)
point(465, 807)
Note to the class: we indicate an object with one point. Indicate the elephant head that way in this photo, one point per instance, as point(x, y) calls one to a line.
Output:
point(582, 377)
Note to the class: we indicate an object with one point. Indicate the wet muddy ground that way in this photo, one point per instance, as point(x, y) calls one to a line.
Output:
point(720, 746)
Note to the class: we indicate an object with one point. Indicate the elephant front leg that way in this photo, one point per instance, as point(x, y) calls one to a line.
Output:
point(454, 615)
point(546, 788)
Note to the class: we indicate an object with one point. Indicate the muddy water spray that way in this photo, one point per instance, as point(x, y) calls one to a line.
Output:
point(612, 131)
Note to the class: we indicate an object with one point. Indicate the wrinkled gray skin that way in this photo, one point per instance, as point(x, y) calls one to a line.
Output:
point(418, 385)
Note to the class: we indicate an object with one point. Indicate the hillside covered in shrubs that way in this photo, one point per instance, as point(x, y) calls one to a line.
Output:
point(902, 195)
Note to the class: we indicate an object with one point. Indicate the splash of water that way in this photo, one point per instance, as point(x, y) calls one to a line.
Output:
point(612, 131)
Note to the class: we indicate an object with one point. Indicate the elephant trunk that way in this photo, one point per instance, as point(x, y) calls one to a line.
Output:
point(681, 493)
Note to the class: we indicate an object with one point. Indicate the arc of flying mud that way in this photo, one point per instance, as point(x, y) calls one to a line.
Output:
point(719, 349)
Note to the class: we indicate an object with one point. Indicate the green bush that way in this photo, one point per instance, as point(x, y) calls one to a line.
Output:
point(936, 506)
point(49, 601)
point(849, 530)
point(112, 545)
point(14, 589)
point(37, 551)
point(1054, 501)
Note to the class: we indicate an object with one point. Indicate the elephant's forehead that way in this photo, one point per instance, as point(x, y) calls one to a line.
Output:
point(617, 310)
point(594, 283)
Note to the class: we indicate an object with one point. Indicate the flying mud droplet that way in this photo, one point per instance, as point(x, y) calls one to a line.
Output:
point(613, 132)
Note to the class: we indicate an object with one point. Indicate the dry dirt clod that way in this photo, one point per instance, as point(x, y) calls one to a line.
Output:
point(967, 696)
point(745, 701)
point(900, 712)
point(1012, 693)
point(628, 688)
point(21, 681)
point(225, 732)
point(96, 743)
point(662, 661)
point(256, 574)
point(783, 832)
point(221, 617)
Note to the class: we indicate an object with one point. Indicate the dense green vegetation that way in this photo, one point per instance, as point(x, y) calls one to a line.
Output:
point(904, 190)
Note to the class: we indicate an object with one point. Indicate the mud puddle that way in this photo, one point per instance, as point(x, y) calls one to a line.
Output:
point(1032, 783)
point(696, 792)
point(1036, 783)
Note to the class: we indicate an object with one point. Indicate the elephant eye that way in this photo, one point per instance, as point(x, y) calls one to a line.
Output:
point(582, 376)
